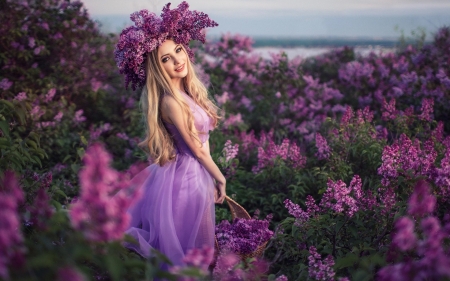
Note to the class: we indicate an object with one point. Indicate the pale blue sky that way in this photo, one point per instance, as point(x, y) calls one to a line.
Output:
point(371, 18)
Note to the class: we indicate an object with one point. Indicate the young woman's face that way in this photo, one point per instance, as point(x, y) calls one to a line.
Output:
point(173, 59)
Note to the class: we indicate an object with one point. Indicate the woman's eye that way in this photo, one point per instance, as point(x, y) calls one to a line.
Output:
point(179, 50)
point(165, 59)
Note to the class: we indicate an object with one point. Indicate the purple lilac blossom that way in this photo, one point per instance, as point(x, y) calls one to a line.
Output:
point(5, 84)
point(21, 96)
point(318, 269)
point(323, 150)
point(11, 242)
point(242, 236)
point(98, 214)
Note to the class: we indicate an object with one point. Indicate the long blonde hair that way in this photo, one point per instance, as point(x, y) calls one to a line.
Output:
point(158, 142)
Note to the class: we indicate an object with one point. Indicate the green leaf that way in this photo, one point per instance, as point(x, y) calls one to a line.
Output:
point(4, 126)
point(346, 261)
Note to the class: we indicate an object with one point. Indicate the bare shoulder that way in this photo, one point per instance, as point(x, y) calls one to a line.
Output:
point(170, 109)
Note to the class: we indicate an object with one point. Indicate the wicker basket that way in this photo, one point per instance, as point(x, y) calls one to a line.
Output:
point(237, 211)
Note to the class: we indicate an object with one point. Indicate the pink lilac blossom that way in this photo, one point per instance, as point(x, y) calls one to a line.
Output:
point(318, 269)
point(150, 31)
point(442, 179)
point(432, 262)
point(58, 116)
point(406, 157)
point(78, 118)
point(230, 150)
point(198, 258)
point(21, 96)
point(69, 273)
point(98, 213)
point(221, 100)
point(228, 268)
point(95, 133)
point(421, 202)
point(11, 242)
point(38, 50)
point(232, 120)
point(31, 42)
point(40, 211)
point(268, 152)
point(36, 112)
point(50, 94)
point(388, 110)
point(342, 199)
point(427, 110)
point(404, 237)
point(323, 150)
point(295, 210)
point(5, 84)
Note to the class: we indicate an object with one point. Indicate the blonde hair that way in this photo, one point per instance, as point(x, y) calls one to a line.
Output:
point(158, 142)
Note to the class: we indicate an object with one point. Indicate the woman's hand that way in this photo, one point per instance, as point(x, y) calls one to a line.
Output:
point(220, 193)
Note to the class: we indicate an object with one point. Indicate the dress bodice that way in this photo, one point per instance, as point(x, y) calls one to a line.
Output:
point(202, 122)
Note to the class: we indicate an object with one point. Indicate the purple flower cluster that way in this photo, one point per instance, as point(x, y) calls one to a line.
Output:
point(323, 150)
point(318, 269)
point(427, 258)
point(41, 210)
point(406, 157)
point(150, 31)
point(269, 152)
point(342, 199)
point(228, 268)
point(69, 273)
point(198, 258)
point(295, 210)
point(230, 151)
point(100, 211)
point(11, 242)
point(242, 236)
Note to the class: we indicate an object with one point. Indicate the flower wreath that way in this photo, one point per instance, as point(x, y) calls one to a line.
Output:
point(150, 31)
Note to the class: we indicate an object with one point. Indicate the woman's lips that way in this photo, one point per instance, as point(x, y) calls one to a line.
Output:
point(179, 69)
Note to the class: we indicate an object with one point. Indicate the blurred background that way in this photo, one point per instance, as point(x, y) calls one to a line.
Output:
point(300, 27)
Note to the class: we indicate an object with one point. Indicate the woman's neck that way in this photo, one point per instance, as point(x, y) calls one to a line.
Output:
point(178, 84)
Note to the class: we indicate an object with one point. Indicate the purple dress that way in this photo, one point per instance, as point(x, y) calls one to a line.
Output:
point(176, 211)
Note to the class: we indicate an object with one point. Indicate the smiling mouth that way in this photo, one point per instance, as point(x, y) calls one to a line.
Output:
point(179, 69)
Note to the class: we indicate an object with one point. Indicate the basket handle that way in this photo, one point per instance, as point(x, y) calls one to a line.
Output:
point(237, 211)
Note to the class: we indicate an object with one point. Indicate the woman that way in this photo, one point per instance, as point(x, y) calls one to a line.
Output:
point(176, 210)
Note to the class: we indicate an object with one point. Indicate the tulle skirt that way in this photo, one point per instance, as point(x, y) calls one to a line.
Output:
point(176, 210)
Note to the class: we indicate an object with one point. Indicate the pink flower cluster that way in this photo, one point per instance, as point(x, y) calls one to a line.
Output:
point(100, 211)
point(405, 157)
point(295, 210)
point(342, 199)
point(323, 150)
point(230, 151)
point(270, 152)
point(318, 269)
point(11, 242)
point(228, 269)
point(198, 258)
point(337, 198)
point(41, 210)
point(69, 273)
point(428, 257)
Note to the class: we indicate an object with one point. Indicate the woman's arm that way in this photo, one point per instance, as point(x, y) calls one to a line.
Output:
point(174, 112)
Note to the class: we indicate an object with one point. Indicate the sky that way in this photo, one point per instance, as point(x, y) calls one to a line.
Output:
point(294, 18)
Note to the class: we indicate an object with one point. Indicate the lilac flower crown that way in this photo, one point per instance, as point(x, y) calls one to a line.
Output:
point(150, 31)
